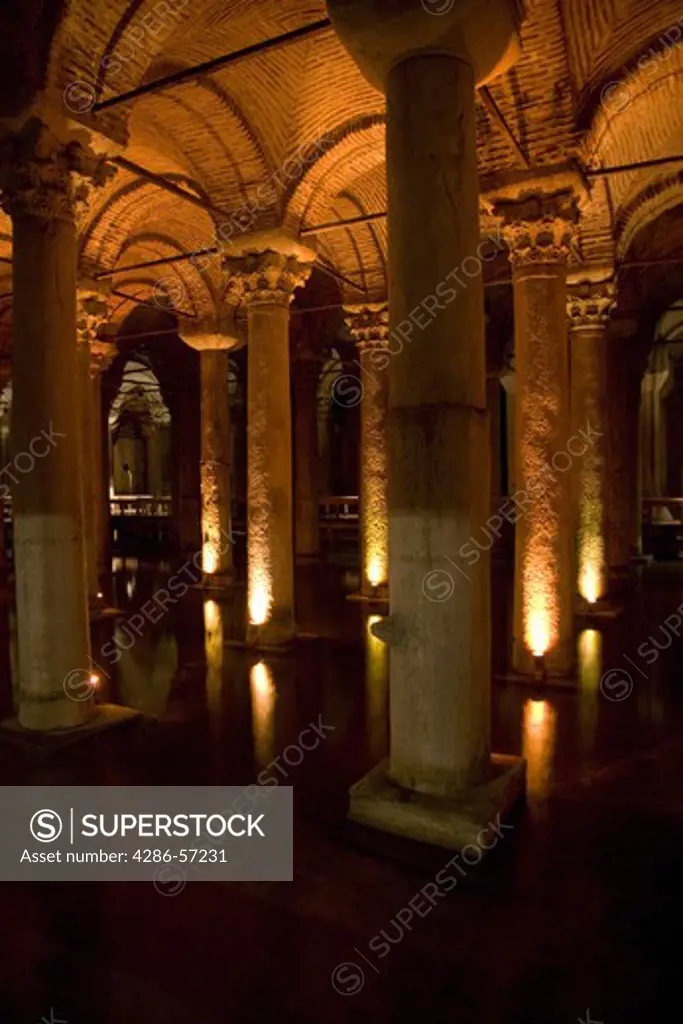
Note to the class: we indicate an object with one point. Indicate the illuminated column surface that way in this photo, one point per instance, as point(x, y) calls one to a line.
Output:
point(369, 326)
point(91, 314)
point(538, 230)
point(214, 339)
point(51, 591)
point(589, 306)
point(268, 281)
point(440, 773)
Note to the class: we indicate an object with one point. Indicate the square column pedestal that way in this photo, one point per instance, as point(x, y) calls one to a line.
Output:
point(453, 822)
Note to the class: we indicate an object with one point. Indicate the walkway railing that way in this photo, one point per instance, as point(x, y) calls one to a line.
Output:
point(139, 505)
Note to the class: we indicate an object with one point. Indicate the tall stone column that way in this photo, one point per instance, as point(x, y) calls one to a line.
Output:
point(91, 314)
point(267, 282)
point(213, 340)
point(369, 326)
point(623, 427)
point(305, 377)
point(509, 382)
point(655, 387)
point(589, 307)
point(439, 627)
point(5, 376)
point(51, 592)
point(102, 353)
point(493, 404)
point(538, 230)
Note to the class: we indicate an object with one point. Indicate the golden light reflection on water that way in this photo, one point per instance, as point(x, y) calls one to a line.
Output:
point(213, 648)
point(538, 746)
point(263, 697)
point(376, 689)
point(590, 672)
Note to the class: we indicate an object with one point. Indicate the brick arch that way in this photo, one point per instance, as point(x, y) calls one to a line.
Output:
point(656, 199)
point(644, 121)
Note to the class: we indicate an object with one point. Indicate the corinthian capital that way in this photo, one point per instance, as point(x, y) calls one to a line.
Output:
point(368, 324)
point(590, 303)
point(539, 228)
point(268, 278)
point(92, 313)
point(41, 176)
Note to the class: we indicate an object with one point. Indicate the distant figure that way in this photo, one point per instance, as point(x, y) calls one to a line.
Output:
point(129, 476)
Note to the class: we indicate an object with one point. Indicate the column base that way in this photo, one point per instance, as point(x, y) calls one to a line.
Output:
point(380, 595)
point(451, 822)
point(106, 716)
point(216, 583)
point(311, 558)
point(98, 610)
point(271, 636)
point(603, 608)
point(558, 663)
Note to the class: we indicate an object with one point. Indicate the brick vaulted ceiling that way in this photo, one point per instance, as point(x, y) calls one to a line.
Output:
point(582, 93)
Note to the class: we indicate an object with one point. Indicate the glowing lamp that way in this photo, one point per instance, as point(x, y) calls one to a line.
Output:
point(374, 571)
point(589, 584)
point(259, 603)
point(209, 559)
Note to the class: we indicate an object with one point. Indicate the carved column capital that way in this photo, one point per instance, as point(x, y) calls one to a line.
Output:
point(368, 324)
point(590, 303)
point(41, 176)
point(268, 278)
point(539, 228)
point(220, 332)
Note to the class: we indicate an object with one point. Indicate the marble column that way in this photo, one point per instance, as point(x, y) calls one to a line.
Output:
point(102, 354)
point(305, 378)
point(493, 404)
point(5, 376)
point(369, 326)
point(267, 282)
point(39, 193)
point(656, 383)
point(92, 312)
point(538, 230)
point(590, 304)
point(438, 631)
point(214, 339)
point(509, 383)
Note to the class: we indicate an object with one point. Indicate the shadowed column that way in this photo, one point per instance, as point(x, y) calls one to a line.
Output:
point(440, 767)
point(51, 591)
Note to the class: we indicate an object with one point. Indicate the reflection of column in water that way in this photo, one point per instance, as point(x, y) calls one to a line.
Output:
point(538, 746)
point(263, 697)
point(213, 647)
point(590, 672)
point(146, 671)
point(376, 691)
